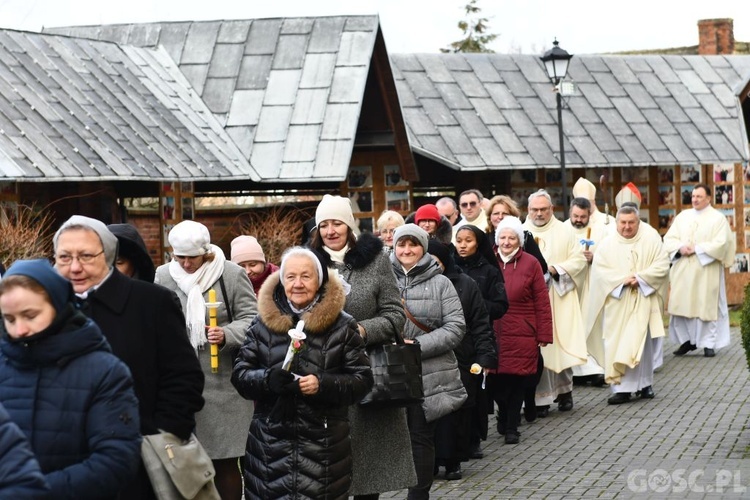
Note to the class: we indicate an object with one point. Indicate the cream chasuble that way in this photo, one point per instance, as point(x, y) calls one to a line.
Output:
point(561, 249)
point(694, 279)
point(619, 318)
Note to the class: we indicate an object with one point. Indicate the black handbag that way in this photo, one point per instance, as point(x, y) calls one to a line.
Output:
point(397, 371)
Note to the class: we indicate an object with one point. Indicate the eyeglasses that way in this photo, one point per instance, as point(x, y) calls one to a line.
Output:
point(467, 204)
point(65, 259)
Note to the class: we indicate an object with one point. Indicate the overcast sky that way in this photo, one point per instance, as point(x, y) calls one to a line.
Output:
point(528, 26)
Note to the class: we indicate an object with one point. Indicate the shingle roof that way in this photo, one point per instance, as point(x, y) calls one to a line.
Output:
point(491, 111)
point(288, 91)
point(75, 109)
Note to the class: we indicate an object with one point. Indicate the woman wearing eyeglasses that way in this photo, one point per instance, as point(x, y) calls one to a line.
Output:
point(387, 224)
point(197, 267)
point(500, 206)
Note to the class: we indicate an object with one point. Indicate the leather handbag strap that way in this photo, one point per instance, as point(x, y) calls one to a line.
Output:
point(413, 319)
point(226, 298)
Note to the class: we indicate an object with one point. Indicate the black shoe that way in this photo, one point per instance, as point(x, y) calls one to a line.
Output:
point(500, 424)
point(685, 348)
point(476, 451)
point(598, 381)
point(453, 474)
point(565, 401)
point(511, 438)
point(709, 353)
point(529, 413)
point(436, 470)
point(580, 381)
point(542, 411)
point(619, 398)
point(647, 393)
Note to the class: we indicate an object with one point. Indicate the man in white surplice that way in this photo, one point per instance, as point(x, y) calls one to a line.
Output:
point(626, 306)
point(700, 244)
point(589, 235)
point(565, 265)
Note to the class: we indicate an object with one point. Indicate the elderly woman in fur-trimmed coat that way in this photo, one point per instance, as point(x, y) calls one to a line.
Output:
point(298, 445)
point(380, 437)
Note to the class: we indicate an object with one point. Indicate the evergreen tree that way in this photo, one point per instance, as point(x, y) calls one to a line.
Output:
point(474, 28)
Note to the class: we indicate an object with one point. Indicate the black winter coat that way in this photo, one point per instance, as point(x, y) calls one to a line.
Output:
point(20, 475)
point(308, 456)
point(74, 401)
point(483, 268)
point(145, 326)
point(479, 344)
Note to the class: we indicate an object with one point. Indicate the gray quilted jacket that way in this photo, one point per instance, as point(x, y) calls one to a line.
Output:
point(431, 298)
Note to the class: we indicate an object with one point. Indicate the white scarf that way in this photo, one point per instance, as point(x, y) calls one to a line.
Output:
point(193, 286)
point(337, 255)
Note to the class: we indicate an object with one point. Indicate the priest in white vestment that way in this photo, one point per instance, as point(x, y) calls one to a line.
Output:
point(589, 234)
point(630, 195)
point(700, 244)
point(625, 312)
point(566, 265)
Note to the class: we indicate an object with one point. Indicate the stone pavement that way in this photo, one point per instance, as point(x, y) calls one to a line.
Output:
point(688, 442)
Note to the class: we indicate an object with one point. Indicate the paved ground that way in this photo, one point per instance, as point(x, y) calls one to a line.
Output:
point(688, 442)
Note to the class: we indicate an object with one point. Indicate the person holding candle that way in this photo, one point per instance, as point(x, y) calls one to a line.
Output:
point(476, 354)
point(474, 256)
point(589, 235)
point(61, 384)
point(197, 268)
point(303, 363)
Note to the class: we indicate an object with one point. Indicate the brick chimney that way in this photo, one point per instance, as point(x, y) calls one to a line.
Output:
point(715, 37)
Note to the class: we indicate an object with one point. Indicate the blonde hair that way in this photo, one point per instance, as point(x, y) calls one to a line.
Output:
point(389, 216)
point(509, 204)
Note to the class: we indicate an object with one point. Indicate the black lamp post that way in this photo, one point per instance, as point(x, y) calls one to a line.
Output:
point(556, 62)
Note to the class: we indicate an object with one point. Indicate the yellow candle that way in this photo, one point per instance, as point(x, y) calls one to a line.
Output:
point(212, 322)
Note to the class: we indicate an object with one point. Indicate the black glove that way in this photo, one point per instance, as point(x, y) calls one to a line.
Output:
point(280, 381)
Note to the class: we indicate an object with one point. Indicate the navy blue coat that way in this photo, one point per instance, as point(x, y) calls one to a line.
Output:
point(20, 475)
point(74, 400)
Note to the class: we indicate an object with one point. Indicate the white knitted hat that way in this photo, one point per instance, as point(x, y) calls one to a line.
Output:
point(336, 208)
point(190, 239)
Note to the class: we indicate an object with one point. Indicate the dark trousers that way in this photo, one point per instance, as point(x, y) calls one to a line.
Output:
point(509, 395)
point(483, 406)
point(452, 438)
point(423, 451)
point(529, 398)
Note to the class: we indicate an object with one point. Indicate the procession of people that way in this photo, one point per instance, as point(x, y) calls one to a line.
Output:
point(265, 364)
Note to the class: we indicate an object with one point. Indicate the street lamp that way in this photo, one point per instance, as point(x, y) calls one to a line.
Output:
point(556, 62)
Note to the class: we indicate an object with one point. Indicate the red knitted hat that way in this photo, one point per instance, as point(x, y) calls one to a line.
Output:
point(427, 212)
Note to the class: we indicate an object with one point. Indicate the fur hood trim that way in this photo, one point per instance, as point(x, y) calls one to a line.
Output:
point(318, 320)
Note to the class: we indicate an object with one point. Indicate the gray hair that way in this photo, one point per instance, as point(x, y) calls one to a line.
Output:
point(445, 199)
point(539, 193)
point(628, 208)
point(301, 252)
